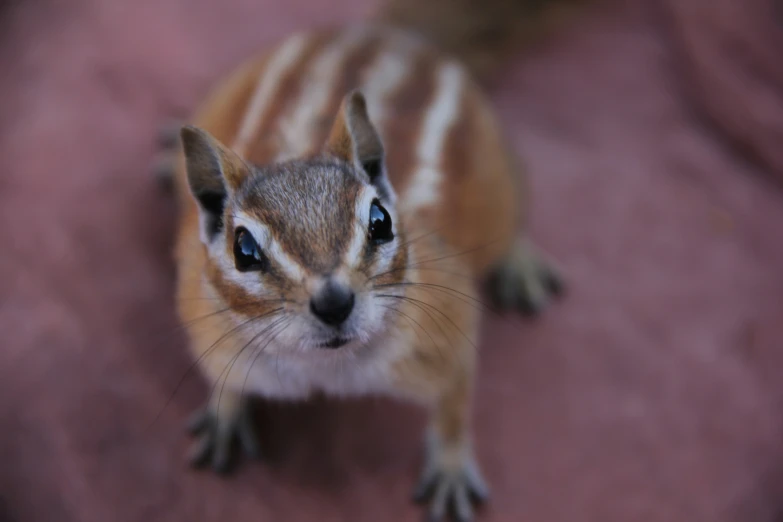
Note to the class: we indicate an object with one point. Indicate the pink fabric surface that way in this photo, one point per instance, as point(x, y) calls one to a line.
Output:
point(729, 54)
point(651, 393)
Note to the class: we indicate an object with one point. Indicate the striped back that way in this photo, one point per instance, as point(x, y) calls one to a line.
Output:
point(416, 100)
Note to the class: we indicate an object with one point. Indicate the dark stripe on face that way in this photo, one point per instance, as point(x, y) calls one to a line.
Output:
point(236, 297)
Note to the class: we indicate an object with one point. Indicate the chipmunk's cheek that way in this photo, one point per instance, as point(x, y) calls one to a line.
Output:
point(369, 314)
point(372, 312)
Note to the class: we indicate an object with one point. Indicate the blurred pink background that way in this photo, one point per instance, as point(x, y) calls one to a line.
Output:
point(652, 392)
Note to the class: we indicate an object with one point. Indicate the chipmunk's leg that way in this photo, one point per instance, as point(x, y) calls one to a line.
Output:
point(168, 134)
point(165, 161)
point(225, 419)
point(164, 165)
point(524, 279)
point(451, 479)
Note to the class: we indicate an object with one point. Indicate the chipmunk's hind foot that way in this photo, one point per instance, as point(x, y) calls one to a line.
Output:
point(216, 433)
point(524, 280)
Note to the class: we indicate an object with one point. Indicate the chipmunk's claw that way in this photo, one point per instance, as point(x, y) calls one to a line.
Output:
point(451, 489)
point(216, 436)
point(552, 280)
point(457, 492)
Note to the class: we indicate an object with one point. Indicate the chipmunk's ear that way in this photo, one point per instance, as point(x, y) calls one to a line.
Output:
point(353, 139)
point(214, 172)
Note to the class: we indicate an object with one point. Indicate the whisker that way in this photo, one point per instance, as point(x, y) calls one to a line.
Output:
point(186, 324)
point(444, 289)
point(277, 369)
point(468, 299)
point(230, 366)
point(433, 260)
point(458, 254)
point(421, 269)
point(260, 299)
point(206, 353)
point(423, 303)
point(417, 305)
point(450, 321)
point(162, 335)
point(422, 236)
point(411, 321)
point(277, 359)
point(191, 322)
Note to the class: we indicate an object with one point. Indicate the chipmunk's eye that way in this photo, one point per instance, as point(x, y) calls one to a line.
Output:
point(380, 224)
point(247, 254)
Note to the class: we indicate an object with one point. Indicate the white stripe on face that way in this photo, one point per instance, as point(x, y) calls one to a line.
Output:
point(362, 216)
point(268, 84)
point(387, 251)
point(440, 117)
point(271, 248)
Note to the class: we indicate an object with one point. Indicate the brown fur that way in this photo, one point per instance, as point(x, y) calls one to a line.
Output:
point(292, 219)
point(404, 129)
point(307, 204)
point(267, 139)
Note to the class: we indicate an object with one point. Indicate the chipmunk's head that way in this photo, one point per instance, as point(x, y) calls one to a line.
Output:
point(304, 246)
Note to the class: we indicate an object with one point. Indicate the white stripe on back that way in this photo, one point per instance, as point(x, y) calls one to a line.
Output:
point(385, 76)
point(444, 111)
point(319, 83)
point(279, 64)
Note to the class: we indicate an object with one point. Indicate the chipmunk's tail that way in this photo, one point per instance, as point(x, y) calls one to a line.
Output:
point(482, 34)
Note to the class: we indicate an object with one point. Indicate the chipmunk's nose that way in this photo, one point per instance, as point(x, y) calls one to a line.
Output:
point(333, 303)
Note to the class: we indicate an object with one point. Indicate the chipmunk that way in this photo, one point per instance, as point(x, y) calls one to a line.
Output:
point(343, 196)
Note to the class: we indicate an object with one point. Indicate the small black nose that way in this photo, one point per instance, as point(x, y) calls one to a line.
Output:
point(333, 304)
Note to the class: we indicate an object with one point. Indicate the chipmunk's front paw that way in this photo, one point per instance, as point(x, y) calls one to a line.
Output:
point(451, 486)
point(216, 432)
point(524, 280)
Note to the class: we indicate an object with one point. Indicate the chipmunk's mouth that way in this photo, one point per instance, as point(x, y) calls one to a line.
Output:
point(334, 342)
